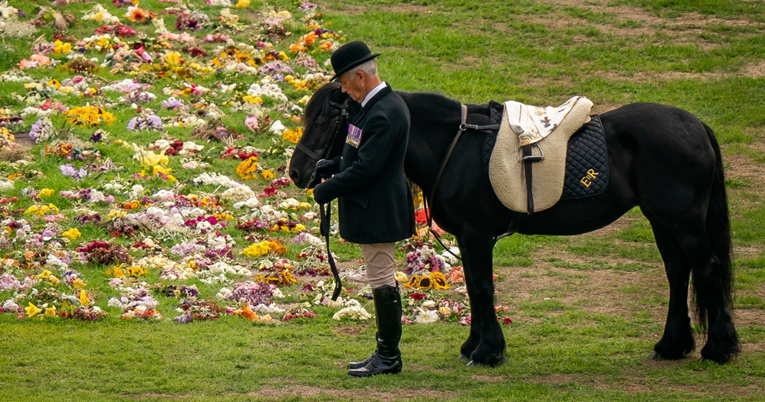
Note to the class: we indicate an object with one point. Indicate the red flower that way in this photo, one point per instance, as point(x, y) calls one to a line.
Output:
point(417, 296)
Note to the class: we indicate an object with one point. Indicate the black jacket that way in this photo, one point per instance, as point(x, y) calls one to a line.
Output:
point(374, 198)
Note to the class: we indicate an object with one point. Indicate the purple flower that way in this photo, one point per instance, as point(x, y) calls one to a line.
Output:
point(9, 282)
point(184, 318)
point(254, 293)
point(71, 171)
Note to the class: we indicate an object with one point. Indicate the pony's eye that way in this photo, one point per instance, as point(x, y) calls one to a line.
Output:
point(320, 122)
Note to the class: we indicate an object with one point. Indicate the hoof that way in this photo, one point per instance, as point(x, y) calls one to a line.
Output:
point(470, 363)
point(656, 356)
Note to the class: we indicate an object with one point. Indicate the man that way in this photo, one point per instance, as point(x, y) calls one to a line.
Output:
point(375, 202)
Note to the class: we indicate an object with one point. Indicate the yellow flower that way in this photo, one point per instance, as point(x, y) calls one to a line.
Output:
point(84, 301)
point(293, 136)
point(173, 58)
point(44, 275)
point(72, 234)
point(413, 282)
point(400, 276)
point(242, 3)
point(252, 99)
point(267, 175)
point(78, 283)
point(137, 271)
point(50, 311)
point(53, 280)
point(32, 310)
point(116, 213)
point(248, 169)
point(439, 281)
point(46, 192)
point(298, 228)
point(116, 271)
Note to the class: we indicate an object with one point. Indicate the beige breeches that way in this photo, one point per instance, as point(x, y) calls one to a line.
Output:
point(379, 259)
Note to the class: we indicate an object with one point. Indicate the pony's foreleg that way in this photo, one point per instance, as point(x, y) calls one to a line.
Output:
point(486, 344)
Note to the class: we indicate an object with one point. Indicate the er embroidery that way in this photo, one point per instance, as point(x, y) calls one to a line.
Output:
point(354, 136)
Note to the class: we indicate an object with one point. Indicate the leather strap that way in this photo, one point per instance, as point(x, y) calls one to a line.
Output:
point(463, 127)
point(325, 226)
point(527, 163)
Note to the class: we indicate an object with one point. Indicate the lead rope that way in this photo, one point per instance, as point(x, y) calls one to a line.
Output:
point(324, 226)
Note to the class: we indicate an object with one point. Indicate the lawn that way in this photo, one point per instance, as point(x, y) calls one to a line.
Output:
point(585, 310)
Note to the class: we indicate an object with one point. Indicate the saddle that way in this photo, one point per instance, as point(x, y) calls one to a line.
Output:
point(528, 163)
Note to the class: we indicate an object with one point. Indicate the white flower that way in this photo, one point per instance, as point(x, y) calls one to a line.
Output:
point(269, 309)
point(426, 316)
point(224, 294)
point(277, 127)
point(239, 193)
point(250, 203)
point(354, 313)
point(10, 306)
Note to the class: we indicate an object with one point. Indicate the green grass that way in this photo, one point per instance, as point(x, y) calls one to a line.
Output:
point(586, 309)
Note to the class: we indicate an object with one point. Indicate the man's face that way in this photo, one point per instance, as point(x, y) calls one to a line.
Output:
point(353, 85)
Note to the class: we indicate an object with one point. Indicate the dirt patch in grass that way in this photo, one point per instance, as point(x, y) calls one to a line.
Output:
point(349, 330)
point(20, 149)
point(743, 167)
point(639, 384)
point(355, 9)
point(749, 317)
point(366, 394)
point(597, 291)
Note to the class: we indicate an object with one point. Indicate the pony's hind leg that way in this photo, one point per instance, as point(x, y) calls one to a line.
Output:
point(711, 287)
point(476, 248)
point(677, 340)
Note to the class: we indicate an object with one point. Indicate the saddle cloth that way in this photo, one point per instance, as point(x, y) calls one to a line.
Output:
point(507, 170)
point(533, 123)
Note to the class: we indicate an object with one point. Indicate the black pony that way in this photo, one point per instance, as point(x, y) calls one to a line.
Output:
point(662, 159)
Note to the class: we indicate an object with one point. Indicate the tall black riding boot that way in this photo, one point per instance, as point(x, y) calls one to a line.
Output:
point(387, 358)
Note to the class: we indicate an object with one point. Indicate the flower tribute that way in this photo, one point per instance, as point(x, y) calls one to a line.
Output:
point(144, 157)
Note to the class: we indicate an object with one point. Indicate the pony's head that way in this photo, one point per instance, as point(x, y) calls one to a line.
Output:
point(325, 119)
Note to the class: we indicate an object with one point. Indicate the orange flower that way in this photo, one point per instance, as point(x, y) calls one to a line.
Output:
point(310, 37)
point(247, 313)
point(326, 45)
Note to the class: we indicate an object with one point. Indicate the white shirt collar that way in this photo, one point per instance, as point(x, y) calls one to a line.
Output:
point(373, 92)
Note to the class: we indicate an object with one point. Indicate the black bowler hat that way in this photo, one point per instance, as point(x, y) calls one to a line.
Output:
point(349, 56)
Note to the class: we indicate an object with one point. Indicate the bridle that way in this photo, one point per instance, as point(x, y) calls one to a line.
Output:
point(317, 156)
point(325, 216)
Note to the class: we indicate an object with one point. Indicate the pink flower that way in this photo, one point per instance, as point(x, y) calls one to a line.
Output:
point(252, 122)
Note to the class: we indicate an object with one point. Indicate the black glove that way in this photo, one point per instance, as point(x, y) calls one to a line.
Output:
point(320, 195)
point(325, 168)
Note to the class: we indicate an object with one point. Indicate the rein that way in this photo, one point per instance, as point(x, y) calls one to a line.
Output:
point(325, 216)
point(462, 128)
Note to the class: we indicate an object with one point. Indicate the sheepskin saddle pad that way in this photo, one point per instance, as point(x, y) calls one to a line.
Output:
point(527, 167)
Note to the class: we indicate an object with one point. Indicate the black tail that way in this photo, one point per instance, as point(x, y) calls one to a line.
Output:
point(718, 231)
